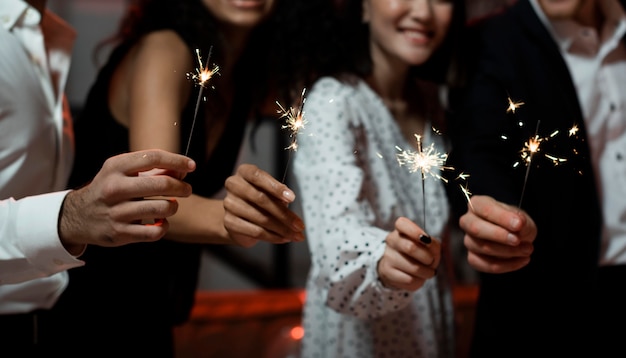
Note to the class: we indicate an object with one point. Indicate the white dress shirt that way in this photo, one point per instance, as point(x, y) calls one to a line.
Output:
point(352, 191)
point(36, 153)
point(597, 63)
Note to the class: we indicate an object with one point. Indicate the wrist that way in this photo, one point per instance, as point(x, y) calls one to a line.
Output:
point(66, 226)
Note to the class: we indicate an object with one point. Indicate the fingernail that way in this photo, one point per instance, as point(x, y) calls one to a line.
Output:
point(512, 239)
point(425, 239)
point(288, 194)
point(515, 222)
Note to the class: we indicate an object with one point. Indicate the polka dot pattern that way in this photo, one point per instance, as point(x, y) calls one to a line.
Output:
point(352, 190)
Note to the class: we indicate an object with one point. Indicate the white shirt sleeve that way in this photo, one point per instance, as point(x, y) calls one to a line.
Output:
point(336, 193)
point(30, 246)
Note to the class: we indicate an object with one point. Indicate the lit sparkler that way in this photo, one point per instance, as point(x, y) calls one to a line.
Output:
point(531, 147)
point(202, 75)
point(294, 122)
point(427, 161)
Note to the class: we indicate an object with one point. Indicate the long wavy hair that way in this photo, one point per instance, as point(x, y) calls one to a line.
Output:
point(200, 30)
point(330, 39)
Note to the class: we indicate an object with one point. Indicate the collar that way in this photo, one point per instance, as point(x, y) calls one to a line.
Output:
point(13, 12)
point(564, 32)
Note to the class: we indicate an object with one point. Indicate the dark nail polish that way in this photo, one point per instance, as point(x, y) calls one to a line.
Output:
point(425, 239)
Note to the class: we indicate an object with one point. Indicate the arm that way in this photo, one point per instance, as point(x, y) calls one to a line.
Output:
point(342, 233)
point(42, 235)
point(155, 105)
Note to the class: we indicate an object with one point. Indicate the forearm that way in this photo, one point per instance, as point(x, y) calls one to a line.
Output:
point(199, 220)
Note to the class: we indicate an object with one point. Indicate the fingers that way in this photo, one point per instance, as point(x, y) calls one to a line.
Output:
point(266, 183)
point(144, 160)
point(413, 242)
point(128, 233)
point(491, 264)
point(399, 273)
point(144, 210)
point(246, 234)
point(500, 251)
point(490, 219)
point(277, 225)
point(410, 257)
point(123, 188)
point(256, 207)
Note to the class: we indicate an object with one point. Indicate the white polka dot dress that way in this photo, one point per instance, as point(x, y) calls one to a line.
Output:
point(352, 190)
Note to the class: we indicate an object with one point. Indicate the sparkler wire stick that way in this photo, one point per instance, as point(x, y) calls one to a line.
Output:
point(202, 76)
point(427, 162)
point(532, 146)
point(419, 150)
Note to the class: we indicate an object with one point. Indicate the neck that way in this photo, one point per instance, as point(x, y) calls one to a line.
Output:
point(590, 15)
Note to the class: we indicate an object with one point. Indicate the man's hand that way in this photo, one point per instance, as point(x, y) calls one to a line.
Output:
point(411, 257)
point(499, 237)
point(256, 208)
point(109, 211)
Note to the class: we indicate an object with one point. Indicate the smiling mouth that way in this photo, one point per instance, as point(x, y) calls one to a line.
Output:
point(248, 4)
point(418, 37)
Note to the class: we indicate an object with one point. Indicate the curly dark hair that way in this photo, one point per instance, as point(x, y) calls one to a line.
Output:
point(257, 65)
point(329, 38)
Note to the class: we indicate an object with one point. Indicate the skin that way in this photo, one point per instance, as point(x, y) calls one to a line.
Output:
point(404, 34)
point(499, 237)
point(107, 212)
point(584, 12)
point(256, 205)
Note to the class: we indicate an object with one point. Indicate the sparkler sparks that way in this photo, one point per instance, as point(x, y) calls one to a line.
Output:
point(202, 75)
point(530, 148)
point(294, 122)
point(513, 105)
point(428, 162)
point(467, 194)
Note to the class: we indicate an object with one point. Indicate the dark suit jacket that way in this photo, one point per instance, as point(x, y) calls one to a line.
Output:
point(546, 306)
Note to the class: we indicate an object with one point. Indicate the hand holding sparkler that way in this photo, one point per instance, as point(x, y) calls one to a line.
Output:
point(256, 208)
point(499, 237)
point(406, 247)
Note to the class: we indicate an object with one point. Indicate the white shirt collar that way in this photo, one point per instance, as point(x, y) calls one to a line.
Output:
point(13, 11)
point(565, 31)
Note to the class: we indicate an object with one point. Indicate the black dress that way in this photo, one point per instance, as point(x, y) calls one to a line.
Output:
point(126, 300)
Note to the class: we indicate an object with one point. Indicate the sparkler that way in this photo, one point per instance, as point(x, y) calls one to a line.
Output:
point(427, 161)
point(202, 75)
point(530, 148)
point(294, 122)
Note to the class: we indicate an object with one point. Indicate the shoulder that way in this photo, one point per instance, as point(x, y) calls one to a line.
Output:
point(166, 46)
point(333, 89)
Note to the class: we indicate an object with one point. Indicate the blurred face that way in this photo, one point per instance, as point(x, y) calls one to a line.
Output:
point(407, 30)
point(240, 13)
